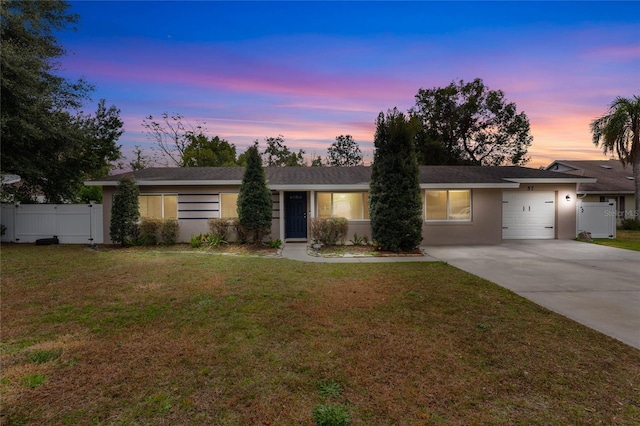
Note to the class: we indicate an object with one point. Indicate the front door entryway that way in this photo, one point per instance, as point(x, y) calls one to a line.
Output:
point(295, 219)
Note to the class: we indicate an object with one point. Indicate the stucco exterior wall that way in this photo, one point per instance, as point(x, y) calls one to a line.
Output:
point(188, 225)
point(485, 226)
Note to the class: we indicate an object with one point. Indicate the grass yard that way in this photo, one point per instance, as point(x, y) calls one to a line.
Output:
point(145, 336)
point(629, 240)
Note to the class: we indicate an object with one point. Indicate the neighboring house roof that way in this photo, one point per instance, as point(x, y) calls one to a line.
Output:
point(611, 177)
point(357, 177)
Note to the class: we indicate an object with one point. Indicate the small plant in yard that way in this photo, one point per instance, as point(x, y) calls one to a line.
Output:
point(331, 415)
point(275, 243)
point(215, 240)
point(330, 389)
point(40, 357)
point(33, 380)
point(359, 240)
point(195, 241)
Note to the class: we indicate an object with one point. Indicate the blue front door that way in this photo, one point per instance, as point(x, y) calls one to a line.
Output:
point(295, 220)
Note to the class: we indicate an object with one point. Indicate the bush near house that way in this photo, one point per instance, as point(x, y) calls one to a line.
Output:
point(149, 230)
point(630, 224)
point(157, 231)
point(329, 231)
point(220, 227)
point(169, 231)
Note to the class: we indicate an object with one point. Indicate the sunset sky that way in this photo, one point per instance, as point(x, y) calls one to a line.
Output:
point(313, 70)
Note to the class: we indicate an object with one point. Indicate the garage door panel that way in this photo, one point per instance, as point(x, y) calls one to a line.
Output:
point(528, 215)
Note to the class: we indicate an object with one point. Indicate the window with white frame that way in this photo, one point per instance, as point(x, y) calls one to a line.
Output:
point(228, 206)
point(448, 205)
point(350, 205)
point(159, 206)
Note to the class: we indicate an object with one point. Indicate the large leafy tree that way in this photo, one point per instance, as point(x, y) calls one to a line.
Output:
point(277, 154)
point(618, 132)
point(46, 139)
point(344, 152)
point(254, 200)
point(395, 206)
point(205, 152)
point(466, 123)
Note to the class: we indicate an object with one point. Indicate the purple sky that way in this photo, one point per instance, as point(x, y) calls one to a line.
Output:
point(313, 70)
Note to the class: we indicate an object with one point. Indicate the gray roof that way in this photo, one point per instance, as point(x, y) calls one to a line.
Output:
point(337, 176)
point(612, 177)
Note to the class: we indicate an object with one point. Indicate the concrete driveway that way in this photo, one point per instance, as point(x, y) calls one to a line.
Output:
point(594, 285)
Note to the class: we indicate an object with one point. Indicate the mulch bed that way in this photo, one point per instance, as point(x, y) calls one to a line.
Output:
point(359, 251)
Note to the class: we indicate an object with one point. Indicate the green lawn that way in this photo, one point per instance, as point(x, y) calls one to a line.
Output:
point(145, 336)
point(629, 240)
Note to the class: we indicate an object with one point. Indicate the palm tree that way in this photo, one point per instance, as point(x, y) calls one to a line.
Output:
point(618, 132)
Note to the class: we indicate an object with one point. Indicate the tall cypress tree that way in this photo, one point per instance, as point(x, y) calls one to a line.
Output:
point(254, 201)
point(394, 194)
point(125, 211)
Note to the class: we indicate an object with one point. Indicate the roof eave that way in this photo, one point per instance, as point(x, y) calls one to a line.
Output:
point(169, 183)
point(606, 192)
point(320, 187)
point(506, 185)
point(552, 180)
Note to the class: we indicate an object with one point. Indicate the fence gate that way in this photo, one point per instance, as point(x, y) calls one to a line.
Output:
point(599, 219)
point(71, 223)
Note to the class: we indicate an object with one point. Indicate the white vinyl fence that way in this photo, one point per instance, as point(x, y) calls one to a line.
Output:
point(598, 219)
point(71, 223)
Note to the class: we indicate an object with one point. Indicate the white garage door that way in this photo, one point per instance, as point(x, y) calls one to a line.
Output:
point(528, 215)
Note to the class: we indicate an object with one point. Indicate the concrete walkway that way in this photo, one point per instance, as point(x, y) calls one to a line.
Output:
point(594, 285)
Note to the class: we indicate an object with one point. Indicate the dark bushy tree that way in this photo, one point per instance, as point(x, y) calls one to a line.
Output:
point(46, 138)
point(125, 211)
point(277, 154)
point(205, 152)
point(254, 201)
point(466, 123)
point(395, 206)
point(344, 152)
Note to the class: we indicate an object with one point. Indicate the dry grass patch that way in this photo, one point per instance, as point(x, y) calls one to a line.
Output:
point(145, 336)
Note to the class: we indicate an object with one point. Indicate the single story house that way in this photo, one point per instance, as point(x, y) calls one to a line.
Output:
point(461, 204)
point(613, 181)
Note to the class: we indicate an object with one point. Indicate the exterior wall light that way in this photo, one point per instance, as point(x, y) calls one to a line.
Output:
point(568, 198)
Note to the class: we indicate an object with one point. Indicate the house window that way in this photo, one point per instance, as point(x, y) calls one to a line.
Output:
point(161, 206)
point(350, 205)
point(452, 205)
point(229, 206)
